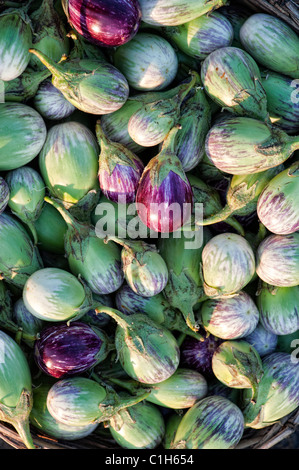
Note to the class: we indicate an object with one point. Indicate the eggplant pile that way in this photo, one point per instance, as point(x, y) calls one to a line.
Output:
point(149, 221)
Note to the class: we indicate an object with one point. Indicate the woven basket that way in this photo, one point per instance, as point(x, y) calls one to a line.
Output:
point(266, 438)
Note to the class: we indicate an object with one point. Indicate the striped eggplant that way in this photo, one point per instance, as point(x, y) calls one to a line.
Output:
point(238, 365)
point(144, 268)
point(25, 86)
point(195, 120)
point(70, 151)
point(104, 23)
point(19, 258)
point(29, 326)
point(4, 194)
point(277, 260)
point(272, 43)
point(55, 295)
point(164, 197)
point(142, 426)
point(197, 355)
point(119, 169)
point(7, 322)
point(228, 264)
point(115, 125)
point(50, 229)
point(148, 62)
point(50, 102)
point(230, 318)
point(43, 421)
point(15, 388)
point(15, 41)
point(264, 341)
point(22, 135)
point(156, 307)
point(99, 88)
point(183, 256)
point(276, 207)
point(182, 390)
point(147, 351)
point(212, 423)
point(237, 15)
point(65, 350)
point(242, 196)
point(282, 99)
point(150, 124)
point(202, 35)
point(89, 257)
point(232, 79)
point(242, 145)
point(278, 308)
point(278, 392)
point(26, 198)
point(175, 12)
point(50, 35)
point(80, 401)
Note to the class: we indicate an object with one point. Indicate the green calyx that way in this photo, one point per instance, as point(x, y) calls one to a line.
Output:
point(24, 87)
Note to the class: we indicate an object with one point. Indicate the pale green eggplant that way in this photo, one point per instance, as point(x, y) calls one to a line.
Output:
point(148, 62)
point(278, 308)
point(15, 41)
point(232, 79)
point(277, 394)
point(272, 43)
point(242, 195)
point(25, 86)
point(175, 12)
point(43, 421)
point(228, 265)
point(55, 295)
point(183, 255)
point(15, 388)
point(282, 98)
point(81, 401)
point(211, 203)
point(237, 364)
point(144, 268)
point(50, 36)
point(277, 260)
point(212, 423)
point(98, 264)
point(70, 151)
point(27, 192)
point(147, 351)
point(277, 205)
point(202, 35)
point(4, 194)
point(139, 427)
point(50, 228)
point(99, 87)
point(242, 146)
point(149, 125)
point(22, 134)
point(19, 257)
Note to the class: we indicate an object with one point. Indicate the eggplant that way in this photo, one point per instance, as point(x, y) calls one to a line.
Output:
point(63, 351)
point(148, 61)
point(4, 194)
point(106, 23)
point(50, 229)
point(25, 86)
point(22, 132)
point(50, 102)
point(15, 388)
point(264, 341)
point(212, 423)
point(197, 355)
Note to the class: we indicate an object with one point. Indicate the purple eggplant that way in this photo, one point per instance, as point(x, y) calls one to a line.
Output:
point(104, 22)
point(197, 355)
point(63, 351)
point(119, 169)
